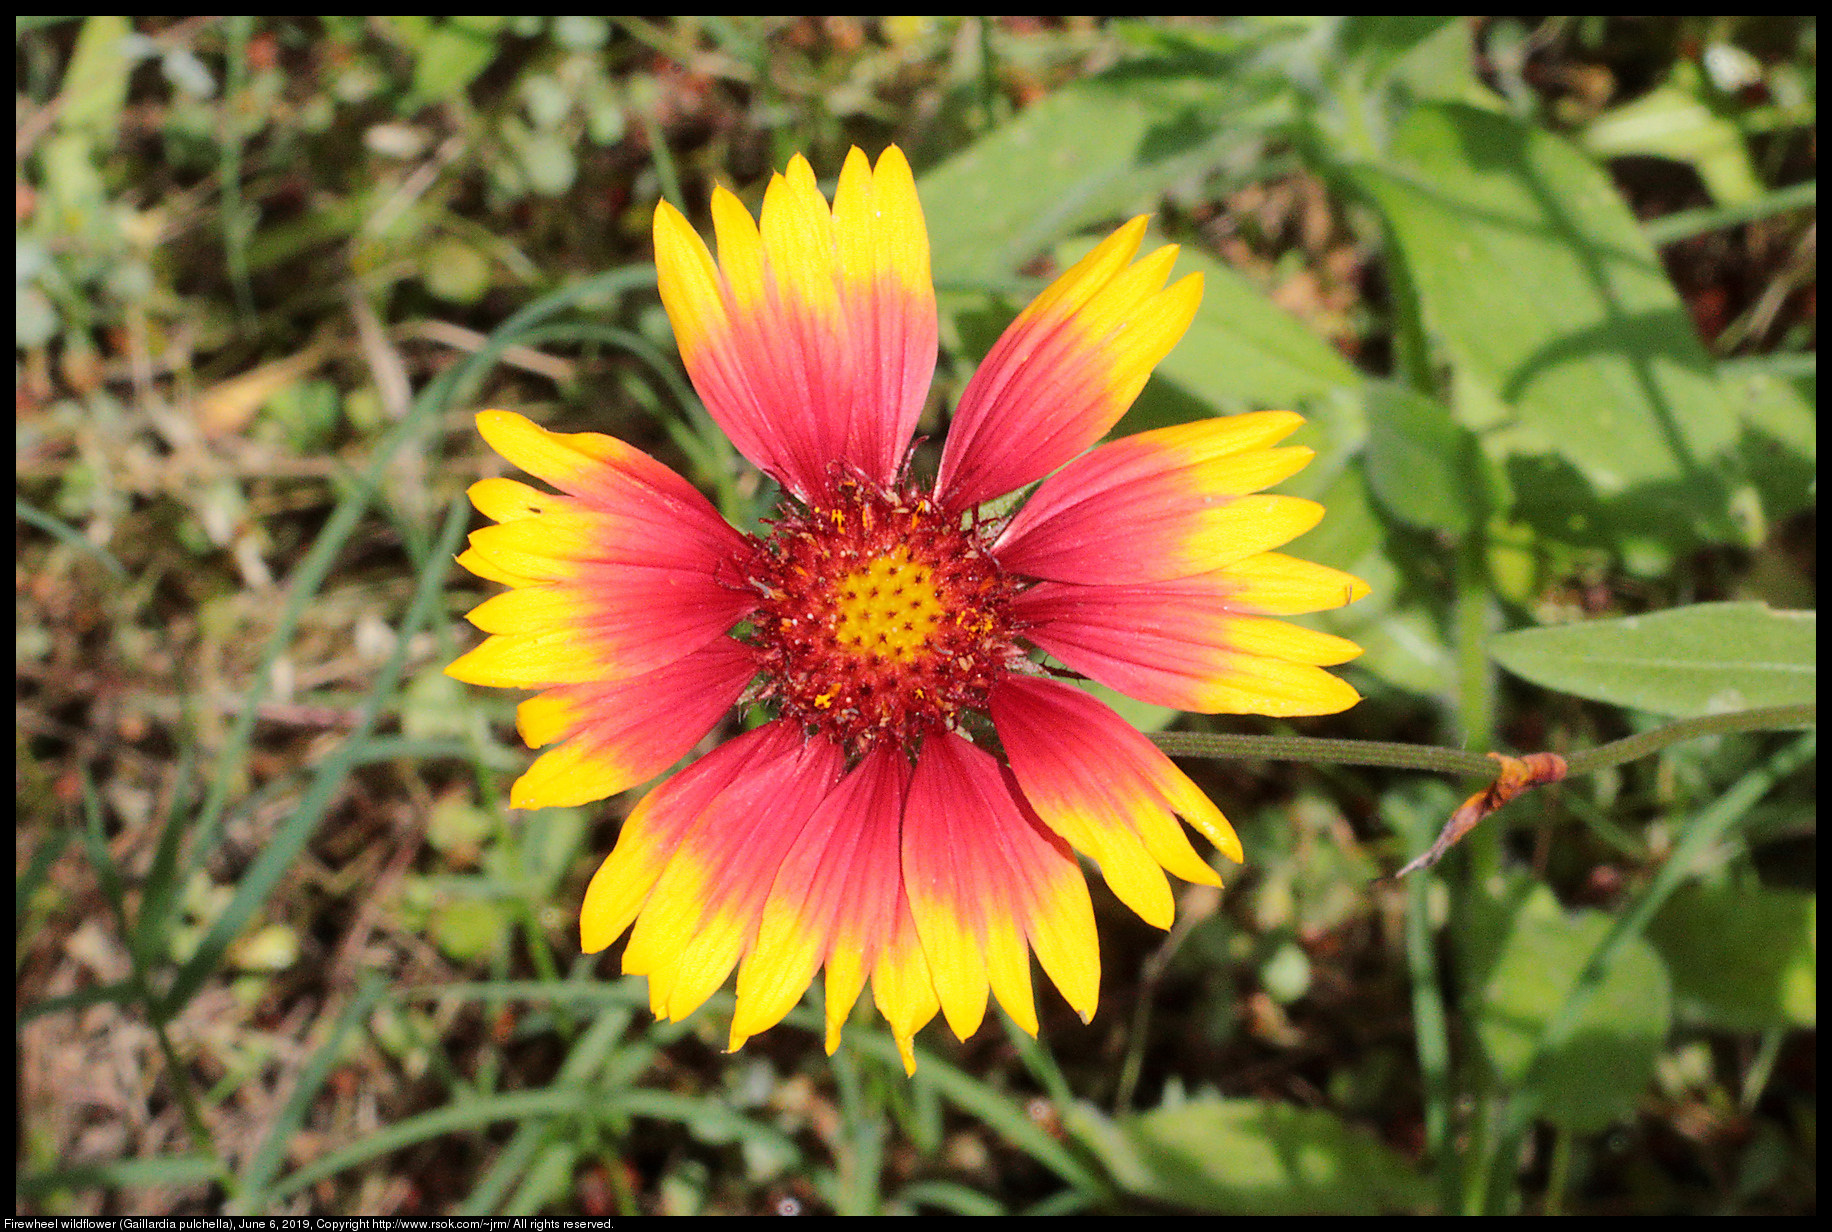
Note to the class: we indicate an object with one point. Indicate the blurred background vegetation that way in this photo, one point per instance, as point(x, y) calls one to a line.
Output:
point(1546, 291)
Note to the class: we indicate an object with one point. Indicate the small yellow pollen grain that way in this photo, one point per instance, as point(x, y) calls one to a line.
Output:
point(888, 609)
point(824, 700)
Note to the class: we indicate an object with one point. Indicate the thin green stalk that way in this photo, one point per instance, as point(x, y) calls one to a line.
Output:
point(663, 158)
point(1558, 1172)
point(1759, 1069)
point(235, 212)
point(1429, 1026)
point(989, 76)
point(1482, 848)
point(1478, 1160)
point(1325, 752)
point(1440, 760)
point(66, 534)
point(1688, 223)
point(861, 1152)
point(115, 892)
point(1769, 718)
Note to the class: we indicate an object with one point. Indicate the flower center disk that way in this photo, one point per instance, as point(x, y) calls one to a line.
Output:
point(881, 617)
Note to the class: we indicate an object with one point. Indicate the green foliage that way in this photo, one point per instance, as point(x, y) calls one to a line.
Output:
point(1249, 1157)
point(1746, 959)
point(1597, 1074)
point(1704, 659)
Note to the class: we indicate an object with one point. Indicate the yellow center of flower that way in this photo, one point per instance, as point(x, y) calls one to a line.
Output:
point(888, 609)
point(880, 617)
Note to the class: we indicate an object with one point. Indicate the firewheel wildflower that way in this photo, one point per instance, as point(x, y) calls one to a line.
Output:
point(891, 629)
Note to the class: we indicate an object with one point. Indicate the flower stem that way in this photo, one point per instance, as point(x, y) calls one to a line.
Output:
point(1440, 760)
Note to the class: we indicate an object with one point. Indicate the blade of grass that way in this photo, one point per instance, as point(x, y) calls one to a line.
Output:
point(1781, 364)
point(1037, 1058)
point(115, 891)
point(451, 387)
point(162, 889)
point(277, 856)
point(860, 1146)
point(265, 1162)
point(595, 1046)
point(37, 869)
point(1429, 1027)
point(1688, 223)
point(68, 535)
point(120, 993)
point(956, 1199)
point(994, 1109)
point(474, 1114)
point(160, 1170)
point(629, 993)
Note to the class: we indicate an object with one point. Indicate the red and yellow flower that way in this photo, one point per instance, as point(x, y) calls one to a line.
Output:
point(889, 626)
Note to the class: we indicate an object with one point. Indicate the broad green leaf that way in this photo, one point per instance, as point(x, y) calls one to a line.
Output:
point(453, 54)
point(1598, 1075)
point(1780, 440)
point(1092, 151)
point(1746, 959)
point(1373, 43)
point(95, 85)
point(1243, 348)
point(1403, 646)
point(1704, 659)
point(1420, 461)
point(1543, 289)
point(1673, 122)
point(1245, 1157)
point(1778, 408)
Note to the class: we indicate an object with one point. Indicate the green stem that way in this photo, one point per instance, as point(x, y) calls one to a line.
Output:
point(235, 216)
point(1559, 1172)
point(664, 161)
point(1475, 675)
point(1769, 718)
point(1429, 1026)
point(1324, 752)
point(1439, 760)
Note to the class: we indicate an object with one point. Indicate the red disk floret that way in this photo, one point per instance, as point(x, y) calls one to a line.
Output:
point(881, 616)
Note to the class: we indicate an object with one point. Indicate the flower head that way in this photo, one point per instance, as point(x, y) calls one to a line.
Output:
point(864, 829)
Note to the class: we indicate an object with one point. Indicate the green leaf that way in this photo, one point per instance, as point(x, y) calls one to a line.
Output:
point(1705, 659)
point(1746, 959)
point(1673, 122)
point(1598, 1075)
point(1244, 348)
point(453, 55)
point(95, 85)
point(1403, 646)
point(1544, 291)
point(159, 1170)
point(1090, 152)
point(455, 271)
point(1245, 1157)
point(1420, 461)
